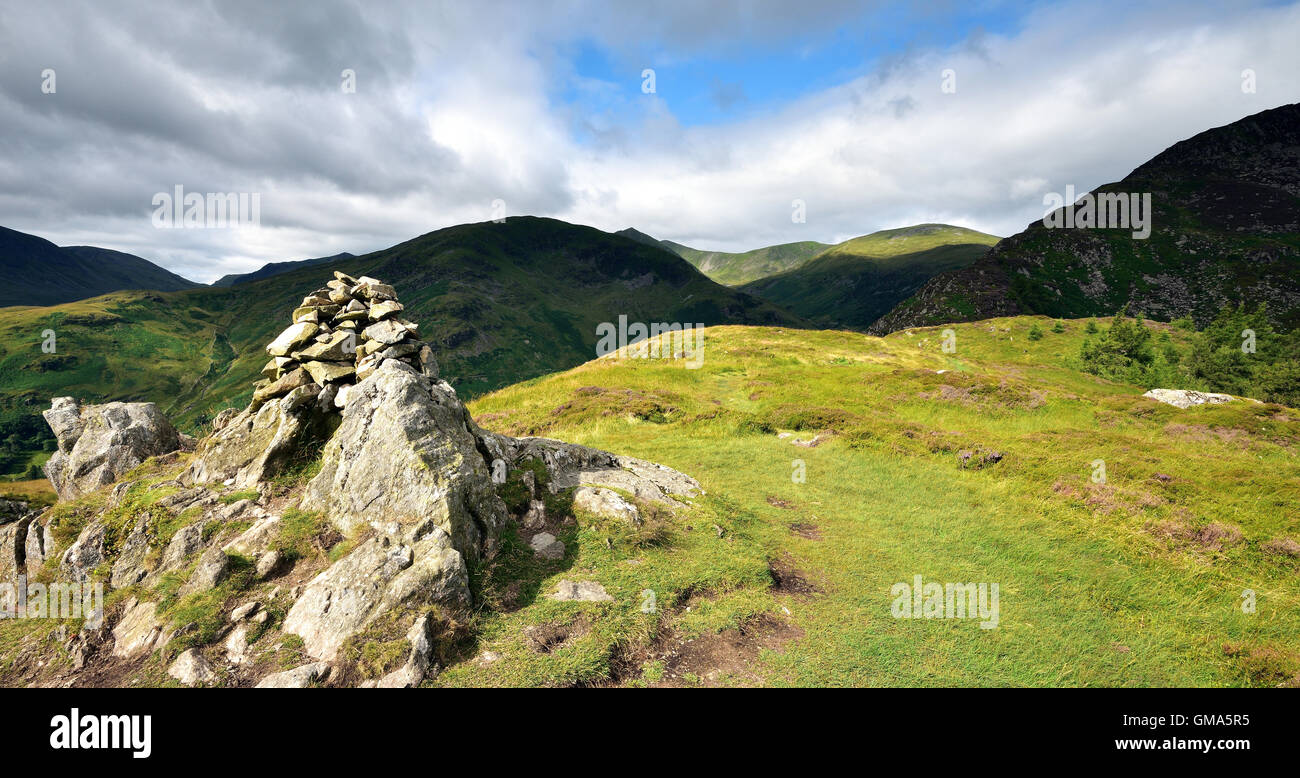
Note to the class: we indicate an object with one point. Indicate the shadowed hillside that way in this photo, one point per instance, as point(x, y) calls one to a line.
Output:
point(850, 285)
point(1226, 230)
point(37, 272)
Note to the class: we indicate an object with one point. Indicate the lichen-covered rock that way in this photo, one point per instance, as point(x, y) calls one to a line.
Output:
point(606, 503)
point(580, 591)
point(379, 576)
point(13, 540)
point(297, 678)
point(570, 465)
point(212, 569)
point(98, 443)
point(404, 457)
point(39, 545)
point(131, 565)
point(186, 541)
point(192, 668)
point(258, 444)
point(419, 662)
point(546, 546)
point(292, 338)
point(281, 386)
point(1186, 398)
point(85, 554)
point(138, 631)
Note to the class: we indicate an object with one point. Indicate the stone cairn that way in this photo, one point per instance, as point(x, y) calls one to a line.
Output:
point(340, 335)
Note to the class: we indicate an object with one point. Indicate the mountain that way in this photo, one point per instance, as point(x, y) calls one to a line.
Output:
point(1226, 229)
point(851, 284)
point(738, 268)
point(276, 268)
point(498, 303)
point(640, 237)
point(37, 272)
point(743, 267)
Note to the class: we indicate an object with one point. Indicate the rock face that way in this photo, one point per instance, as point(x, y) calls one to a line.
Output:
point(571, 465)
point(98, 443)
point(1186, 398)
point(404, 473)
point(406, 457)
point(377, 577)
point(341, 334)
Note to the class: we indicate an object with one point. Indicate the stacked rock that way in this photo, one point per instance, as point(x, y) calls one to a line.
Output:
point(340, 335)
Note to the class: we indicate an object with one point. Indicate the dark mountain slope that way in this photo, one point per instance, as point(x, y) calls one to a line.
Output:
point(1226, 229)
point(275, 269)
point(37, 272)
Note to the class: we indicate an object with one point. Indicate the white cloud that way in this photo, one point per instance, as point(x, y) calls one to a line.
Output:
point(458, 105)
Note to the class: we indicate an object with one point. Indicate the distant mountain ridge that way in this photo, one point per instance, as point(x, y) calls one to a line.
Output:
point(275, 269)
point(497, 302)
point(851, 284)
point(1226, 229)
point(37, 272)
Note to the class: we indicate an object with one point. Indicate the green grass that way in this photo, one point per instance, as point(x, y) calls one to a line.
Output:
point(738, 268)
point(851, 284)
point(498, 303)
point(1101, 584)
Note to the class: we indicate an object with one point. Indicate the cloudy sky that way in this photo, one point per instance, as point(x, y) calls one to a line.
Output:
point(547, 108)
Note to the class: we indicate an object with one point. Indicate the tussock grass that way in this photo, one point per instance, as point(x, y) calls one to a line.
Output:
point(1138, 581)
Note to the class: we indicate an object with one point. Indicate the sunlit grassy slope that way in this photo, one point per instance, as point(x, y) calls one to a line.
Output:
point(1138, 581)
point(851, 284)
point(739, 268)
point(496, 302)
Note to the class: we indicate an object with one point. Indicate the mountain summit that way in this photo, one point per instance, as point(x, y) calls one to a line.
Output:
point(1226, 229)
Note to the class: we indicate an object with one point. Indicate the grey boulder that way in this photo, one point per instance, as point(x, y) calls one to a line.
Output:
point(99, 443)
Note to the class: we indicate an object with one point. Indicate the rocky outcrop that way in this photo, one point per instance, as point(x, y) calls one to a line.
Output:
point(258, 444)
point(191, 668)
point(297, 678)
point(98, 443)
point(380, 575)
point(401, 471)
point(1186, 398)
point(570, 465)
point(406, 457)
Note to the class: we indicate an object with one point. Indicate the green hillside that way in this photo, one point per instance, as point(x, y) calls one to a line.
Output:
point(851, 284)
point(499, 303)
point(1225, 230)
point(735, 269)
point(975, 466)
point(276, 268)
